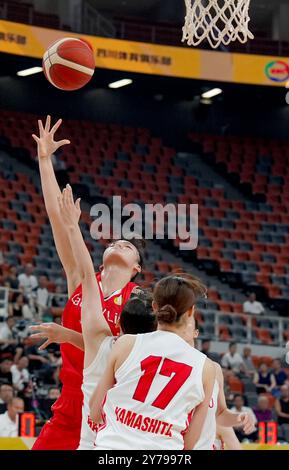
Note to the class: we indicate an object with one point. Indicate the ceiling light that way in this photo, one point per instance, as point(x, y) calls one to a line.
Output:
point(120, 83)
point(211, 93)
point(31, 71)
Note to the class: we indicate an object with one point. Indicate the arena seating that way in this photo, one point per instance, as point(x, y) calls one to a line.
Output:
point(100, 159)
point(259, 231)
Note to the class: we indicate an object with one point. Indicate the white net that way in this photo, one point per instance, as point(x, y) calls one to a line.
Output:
point(217, 21)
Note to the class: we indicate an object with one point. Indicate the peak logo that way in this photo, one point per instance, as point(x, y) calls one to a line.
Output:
point(277, 71)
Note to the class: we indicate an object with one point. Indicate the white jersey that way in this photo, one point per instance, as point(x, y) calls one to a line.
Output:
point(91, 377)
point(157, 387)
point(208, 436)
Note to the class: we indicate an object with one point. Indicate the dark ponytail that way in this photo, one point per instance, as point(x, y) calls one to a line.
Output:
point(167, 314)
point(174, 295)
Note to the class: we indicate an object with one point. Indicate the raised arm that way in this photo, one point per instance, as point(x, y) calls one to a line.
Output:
point(46, 147)
point(195, 428)
point(94, 325)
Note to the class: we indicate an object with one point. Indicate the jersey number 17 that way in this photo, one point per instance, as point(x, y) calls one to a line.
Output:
point(177, 370)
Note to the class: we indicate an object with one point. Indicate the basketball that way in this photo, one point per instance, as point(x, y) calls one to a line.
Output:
point(69, 64)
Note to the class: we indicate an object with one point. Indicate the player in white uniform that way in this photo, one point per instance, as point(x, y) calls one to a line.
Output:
point(220, 420)
point(137, 316)
point(156, 389)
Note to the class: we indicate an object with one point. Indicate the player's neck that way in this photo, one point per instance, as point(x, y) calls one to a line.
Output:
point(114, 278)
point(180, 331)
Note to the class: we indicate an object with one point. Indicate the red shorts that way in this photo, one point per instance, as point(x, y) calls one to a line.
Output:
point(62, 431)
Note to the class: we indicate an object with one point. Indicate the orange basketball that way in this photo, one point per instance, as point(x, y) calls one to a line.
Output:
point(69, 63)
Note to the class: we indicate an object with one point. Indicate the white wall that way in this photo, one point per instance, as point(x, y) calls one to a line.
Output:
point(257, 350)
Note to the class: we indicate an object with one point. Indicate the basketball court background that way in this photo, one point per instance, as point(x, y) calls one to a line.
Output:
point(229, 154)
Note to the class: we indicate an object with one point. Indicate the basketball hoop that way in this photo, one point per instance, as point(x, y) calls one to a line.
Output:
point(217, 21)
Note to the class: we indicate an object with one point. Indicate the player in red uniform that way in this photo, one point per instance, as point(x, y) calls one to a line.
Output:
point(122, 261)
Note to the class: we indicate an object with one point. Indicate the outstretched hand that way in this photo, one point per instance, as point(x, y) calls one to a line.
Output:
point(69, 210)
point(247, 423)
point(46, 145)
point(51, 332)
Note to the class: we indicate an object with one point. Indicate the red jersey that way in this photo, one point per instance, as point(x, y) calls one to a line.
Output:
point(71, 373)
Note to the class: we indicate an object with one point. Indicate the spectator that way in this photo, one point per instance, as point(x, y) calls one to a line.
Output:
point(20, 374)
point(6, 394)
point(12, 280)
point(248, 363)
point(264, 379)
point(282, 405)
point(233, 360)
point(20, 308)
point(53, 393)
point(253, 306)
point(205, 349)
point(8, 420)
point(280, 377)
point(262, 411)
point(42, 295)
point(5, 371)
point(240, 408)
point(28, 281)
point(8, 340)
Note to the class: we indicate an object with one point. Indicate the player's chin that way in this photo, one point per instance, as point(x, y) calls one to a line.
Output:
point(116, 257)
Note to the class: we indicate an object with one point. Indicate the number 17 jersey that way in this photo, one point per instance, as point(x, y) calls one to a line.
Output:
point(156, 390)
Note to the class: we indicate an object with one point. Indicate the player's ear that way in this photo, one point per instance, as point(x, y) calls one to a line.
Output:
point(191, 311)
point(137, 268)
point(154, 306)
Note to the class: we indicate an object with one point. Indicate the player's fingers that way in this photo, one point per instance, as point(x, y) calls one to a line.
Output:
point(39, 327)
point(56, 126)
point(38, 336)
point(62, 142)
point(44, 345)
point(48, 123)
point(77, 204)
point(64, 197)
point(41, 128)
point(239, 418)
point(69, 195)
point(248, 429)
point(35, 138)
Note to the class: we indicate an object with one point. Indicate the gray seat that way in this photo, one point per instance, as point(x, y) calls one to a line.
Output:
point(225, 320)
point(209, 330)
point(249, 387)
point(252, 399)
point(285, 430)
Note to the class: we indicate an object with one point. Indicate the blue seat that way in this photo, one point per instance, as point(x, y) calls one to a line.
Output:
point(123, 156)
point(141, 149)
point(8, 224)
point(228, 254)
point(215, 223)
point(17, 206)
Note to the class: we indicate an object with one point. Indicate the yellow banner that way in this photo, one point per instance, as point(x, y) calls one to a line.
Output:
point(32, 41)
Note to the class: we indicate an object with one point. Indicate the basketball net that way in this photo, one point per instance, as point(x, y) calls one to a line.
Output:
point(217, 21)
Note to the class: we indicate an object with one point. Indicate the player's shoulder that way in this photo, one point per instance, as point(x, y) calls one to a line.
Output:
point(217, 367)
point(125, 340)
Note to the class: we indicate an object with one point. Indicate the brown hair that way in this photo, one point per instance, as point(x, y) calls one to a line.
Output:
point(175, 295)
